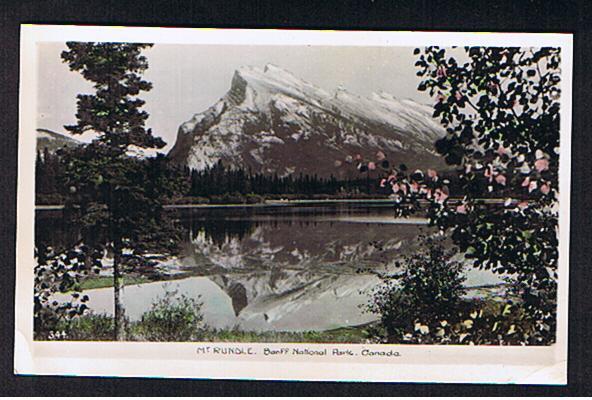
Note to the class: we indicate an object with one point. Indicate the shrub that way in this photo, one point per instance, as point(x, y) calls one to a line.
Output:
point(425, 304)
point(482, 323)
point(171, 318)
point(89, 327)
point(430, 287)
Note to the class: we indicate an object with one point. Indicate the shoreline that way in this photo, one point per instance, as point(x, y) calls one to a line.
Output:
point(278, 203)
point(266, 203)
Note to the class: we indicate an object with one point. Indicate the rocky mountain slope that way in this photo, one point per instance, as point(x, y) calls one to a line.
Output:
point(273, 122)
point(53, 140)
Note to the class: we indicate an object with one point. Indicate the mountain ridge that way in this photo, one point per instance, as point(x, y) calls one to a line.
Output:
point(53, 141)
point(274, 122)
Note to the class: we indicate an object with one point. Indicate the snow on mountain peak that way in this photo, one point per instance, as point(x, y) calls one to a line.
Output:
point(253, 87)
point(272, 68)
point(274, 121)
point(53, 140)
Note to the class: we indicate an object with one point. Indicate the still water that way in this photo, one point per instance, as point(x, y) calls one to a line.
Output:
point(274, 268)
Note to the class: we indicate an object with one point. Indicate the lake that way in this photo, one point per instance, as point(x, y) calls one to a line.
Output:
point(275, 268)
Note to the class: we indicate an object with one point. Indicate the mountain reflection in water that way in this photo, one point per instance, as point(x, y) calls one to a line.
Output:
point(294, 268)
point(284, 268)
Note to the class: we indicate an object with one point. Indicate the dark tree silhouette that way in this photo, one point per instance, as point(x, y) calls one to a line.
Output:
point(116, 199)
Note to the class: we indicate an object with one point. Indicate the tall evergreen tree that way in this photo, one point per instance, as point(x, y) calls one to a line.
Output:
point(116, 199)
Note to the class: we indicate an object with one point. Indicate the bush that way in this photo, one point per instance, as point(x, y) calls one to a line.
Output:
point(430, 287)
point(171, 318)
point(89, 327)
point(481, 323)
point(425, 304)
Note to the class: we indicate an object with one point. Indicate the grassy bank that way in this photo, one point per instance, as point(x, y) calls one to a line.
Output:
point(94, 327)
point(356, 334)
point(99, 282)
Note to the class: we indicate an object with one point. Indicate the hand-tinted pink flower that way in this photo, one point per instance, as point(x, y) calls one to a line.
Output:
point(526, 182)
point(532, 186)
point(371, 166)
point(522, 205)
point(358, 157)
point(458, 96)
point(382, 183)
point(545, 189)
point(461, 209)
point(380, 156)
point(440, 195)
point(541, 164)
point(501, 150)
point(501, 179)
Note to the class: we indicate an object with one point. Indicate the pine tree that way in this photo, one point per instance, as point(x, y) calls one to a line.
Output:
point(116, 199)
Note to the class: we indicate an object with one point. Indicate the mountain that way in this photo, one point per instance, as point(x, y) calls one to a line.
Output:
point(273, 122)
point(53, 140)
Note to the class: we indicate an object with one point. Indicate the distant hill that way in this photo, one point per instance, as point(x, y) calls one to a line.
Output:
point(53, 140)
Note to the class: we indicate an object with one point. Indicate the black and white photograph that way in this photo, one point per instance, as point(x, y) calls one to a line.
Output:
point(358, 195)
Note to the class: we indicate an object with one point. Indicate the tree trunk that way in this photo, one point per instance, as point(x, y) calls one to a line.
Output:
point(117, 295)
point(88, 262)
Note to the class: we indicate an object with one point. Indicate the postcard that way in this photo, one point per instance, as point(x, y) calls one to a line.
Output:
point(293, 205)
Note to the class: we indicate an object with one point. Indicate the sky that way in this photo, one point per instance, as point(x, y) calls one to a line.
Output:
point(187, 79)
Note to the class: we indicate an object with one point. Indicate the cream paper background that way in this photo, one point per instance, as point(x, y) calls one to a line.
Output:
point(416, 363)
